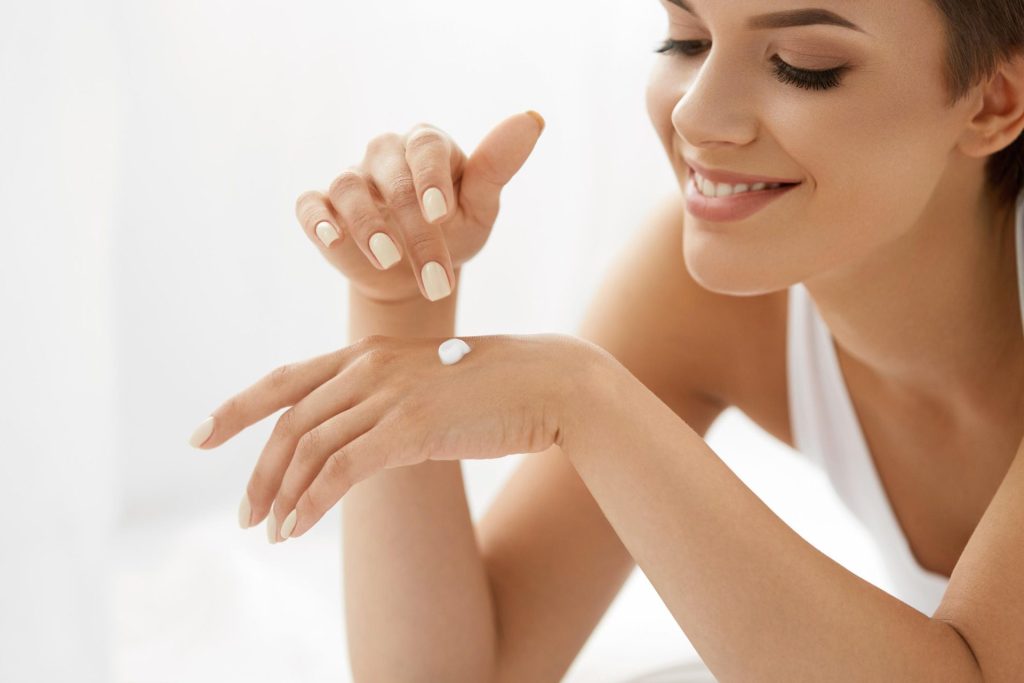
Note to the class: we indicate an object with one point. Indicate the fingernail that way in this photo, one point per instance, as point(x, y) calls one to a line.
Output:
point(202, 433)
point(433, 202)
point(289, 525)
point(326, 232)
point(245, 512)
point(538, 118)
point(435, 281)
point(271, 527)
point(384, 249)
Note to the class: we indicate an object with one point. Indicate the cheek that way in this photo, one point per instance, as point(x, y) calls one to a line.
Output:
point(873, 157)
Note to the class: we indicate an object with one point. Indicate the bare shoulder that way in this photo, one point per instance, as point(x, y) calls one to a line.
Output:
point(698, 345)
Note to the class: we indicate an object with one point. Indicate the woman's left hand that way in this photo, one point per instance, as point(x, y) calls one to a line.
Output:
point(389, 402)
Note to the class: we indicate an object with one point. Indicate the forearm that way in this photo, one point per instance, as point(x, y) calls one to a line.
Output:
point(755, 599)
point(417, 600)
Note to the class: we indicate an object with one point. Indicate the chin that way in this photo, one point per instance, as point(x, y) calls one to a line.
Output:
point(733, 269)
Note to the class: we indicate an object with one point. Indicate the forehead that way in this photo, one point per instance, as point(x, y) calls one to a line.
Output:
point(785, 18)
point(900, 20)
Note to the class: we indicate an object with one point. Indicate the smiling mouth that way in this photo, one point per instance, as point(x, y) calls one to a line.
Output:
point(723, 190)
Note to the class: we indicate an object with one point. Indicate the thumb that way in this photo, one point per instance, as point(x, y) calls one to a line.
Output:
point(497, 158)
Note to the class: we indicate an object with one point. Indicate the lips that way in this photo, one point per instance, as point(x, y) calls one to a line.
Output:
point(730, 178)
point(732, 208)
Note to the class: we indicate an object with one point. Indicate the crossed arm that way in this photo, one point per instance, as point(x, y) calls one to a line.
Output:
point(757, 601)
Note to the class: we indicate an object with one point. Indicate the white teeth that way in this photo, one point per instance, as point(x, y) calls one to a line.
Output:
point(710, 189)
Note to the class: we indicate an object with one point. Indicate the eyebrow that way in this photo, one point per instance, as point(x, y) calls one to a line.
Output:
point(796, 17)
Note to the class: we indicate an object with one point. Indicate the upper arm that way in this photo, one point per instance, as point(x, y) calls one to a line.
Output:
point(554, 562)
point(984, 600)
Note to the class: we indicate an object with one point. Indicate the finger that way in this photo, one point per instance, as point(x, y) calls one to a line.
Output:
point(349, 195)
point(281, 387)
point(428, 151)
point(424, 243)
point(317, 221)
point(331, 398)
point(497, 158)
point(311, 453)
point(350, 464)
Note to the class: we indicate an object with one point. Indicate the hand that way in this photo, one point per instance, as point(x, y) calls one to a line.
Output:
point(415, 198)
point(389, 402)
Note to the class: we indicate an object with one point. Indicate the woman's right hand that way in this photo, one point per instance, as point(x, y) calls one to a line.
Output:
point(387, 208)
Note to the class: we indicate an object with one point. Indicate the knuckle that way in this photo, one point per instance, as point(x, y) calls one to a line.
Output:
point(348, 180)
point(431, 174)
point(304, 202)
point(286, 424)
point(382, 141)
point(425, 138)
point(309, 445)
point(425, 245)
point(364, 222)
point(369, 341)
point(340, 467)
point(403, 191)
point(280, 376)
point(486, 170)
point(377, 357)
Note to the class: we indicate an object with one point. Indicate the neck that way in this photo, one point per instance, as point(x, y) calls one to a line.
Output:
point(933, 315)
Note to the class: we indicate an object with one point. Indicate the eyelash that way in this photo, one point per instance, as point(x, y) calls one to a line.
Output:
point(801, 78)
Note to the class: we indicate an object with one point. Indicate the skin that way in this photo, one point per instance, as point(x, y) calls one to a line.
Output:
point(757, 601)
point(885, 133)
point(386, 402)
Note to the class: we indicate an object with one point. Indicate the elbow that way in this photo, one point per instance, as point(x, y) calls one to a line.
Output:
point(965, 652)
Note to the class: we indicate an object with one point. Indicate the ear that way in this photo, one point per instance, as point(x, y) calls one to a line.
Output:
point(999, 116)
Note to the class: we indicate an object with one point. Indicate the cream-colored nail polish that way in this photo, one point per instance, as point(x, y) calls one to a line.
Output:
point(383, 247)
point(434, 204)
point(271, 527)
point(289, 524)
point(435, 281)
point(244, 512)
point(326, 232)
point(201, 433)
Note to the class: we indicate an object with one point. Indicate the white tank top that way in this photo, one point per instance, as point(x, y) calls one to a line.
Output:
point(826, 429)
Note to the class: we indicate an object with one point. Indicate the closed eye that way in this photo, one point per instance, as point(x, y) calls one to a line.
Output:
point(784, 72)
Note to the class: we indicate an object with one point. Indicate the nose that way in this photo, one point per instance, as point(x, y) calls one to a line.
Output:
point(718, 108)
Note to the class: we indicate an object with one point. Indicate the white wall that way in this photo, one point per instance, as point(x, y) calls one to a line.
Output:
point(151, 156)
point(59, 125)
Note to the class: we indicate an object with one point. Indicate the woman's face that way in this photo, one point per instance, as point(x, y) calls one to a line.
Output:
point(873, 152)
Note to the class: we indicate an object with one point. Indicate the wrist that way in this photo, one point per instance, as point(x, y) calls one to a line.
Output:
point(413, 317)
point(592, 377)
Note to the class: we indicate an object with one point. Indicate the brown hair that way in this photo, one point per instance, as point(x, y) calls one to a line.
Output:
point(981, 34)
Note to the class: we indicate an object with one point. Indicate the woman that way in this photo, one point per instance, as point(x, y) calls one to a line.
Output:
point(866, 310)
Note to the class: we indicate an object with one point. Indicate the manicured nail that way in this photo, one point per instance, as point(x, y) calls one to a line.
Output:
point(433, 202)
point(384, 249)
point(435, 281)
point(271, 527)
point(289, 525)
point(245, 512)
point(326, 232)
point(538, 118)
point(202, 433)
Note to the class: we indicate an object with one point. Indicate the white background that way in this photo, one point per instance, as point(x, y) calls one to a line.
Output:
point(150, 157)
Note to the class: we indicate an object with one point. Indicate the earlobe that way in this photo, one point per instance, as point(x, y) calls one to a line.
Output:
point(999, 117)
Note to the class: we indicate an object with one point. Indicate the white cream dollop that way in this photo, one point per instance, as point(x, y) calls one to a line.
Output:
point(452, 350)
